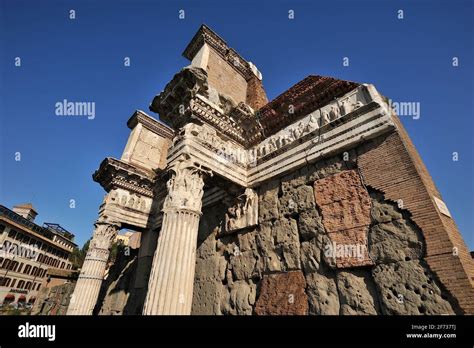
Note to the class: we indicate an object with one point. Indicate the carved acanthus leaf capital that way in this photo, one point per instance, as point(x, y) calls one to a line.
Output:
point(104, 234)
point(185, 186)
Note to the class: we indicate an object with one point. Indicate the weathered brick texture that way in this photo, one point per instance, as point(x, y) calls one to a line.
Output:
point(393, 166)
point(225, 79)
point(256, 96)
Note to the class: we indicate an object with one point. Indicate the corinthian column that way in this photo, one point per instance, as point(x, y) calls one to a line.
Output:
point(92, 273)
point(170, 288)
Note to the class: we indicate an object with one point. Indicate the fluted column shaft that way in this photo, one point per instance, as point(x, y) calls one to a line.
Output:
point(170, 287)
point(88, 285)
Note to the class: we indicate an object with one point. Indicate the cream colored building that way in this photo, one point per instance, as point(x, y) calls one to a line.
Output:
point(27, 251)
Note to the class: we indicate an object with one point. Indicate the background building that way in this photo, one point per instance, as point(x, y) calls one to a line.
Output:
point(28, 251)
point(129, 238)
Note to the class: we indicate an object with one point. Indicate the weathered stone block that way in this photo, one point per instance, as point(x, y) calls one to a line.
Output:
point(296, 200)
point(285, 231)
point(207, 297)
point(409, 288)
point(322, 294)
point(207, 247)
point(357, 295)
point(268, 201)
point(310, 224)
point(243, 264)
point(285, 235)
point(282, 294)
point(269, 260)
point(345, 206)
point(210, 268)
point(296, 178)
point(323, 169)
point(348, 248)
point(395, 241)
point(384, 212)
point(242, 298)
point(310, 256)
point(247, 240)
point(290, 256)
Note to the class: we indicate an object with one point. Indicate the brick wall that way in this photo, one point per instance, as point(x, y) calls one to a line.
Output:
point(256, 96)
point(393, 166)
point(225, 79)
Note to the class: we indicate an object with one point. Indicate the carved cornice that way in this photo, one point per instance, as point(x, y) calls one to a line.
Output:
point(114, 173)
point(345, 121)
point(207, 36)
point(173, 102)
point(150, 123)
point(208, 113)
point(187, 97)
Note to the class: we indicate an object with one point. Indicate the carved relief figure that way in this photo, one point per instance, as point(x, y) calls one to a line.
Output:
point(244, 213)
point(334, 113)
point(345, 107)
point(298, 130)
point(358, 104)
point(324, 118)
point(312, 123)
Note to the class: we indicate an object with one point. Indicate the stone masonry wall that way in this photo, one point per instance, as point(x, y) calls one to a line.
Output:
point(292, 262)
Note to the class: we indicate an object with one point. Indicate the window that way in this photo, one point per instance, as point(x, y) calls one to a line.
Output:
point(14, 266)
point(20, 267)
point(12, 234)
point(6, 263)
point(21, 284)
point(27, 269)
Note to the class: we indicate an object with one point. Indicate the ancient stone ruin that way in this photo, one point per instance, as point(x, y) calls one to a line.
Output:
point(314, 203)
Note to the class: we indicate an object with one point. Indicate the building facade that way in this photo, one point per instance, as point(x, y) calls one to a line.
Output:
point(28, 251)
point(313, 203)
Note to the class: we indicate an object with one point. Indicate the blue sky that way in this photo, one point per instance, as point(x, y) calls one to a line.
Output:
point(82, 60)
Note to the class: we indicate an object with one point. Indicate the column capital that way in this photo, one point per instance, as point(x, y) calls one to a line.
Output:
point(104, 234)
point(185, 185)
